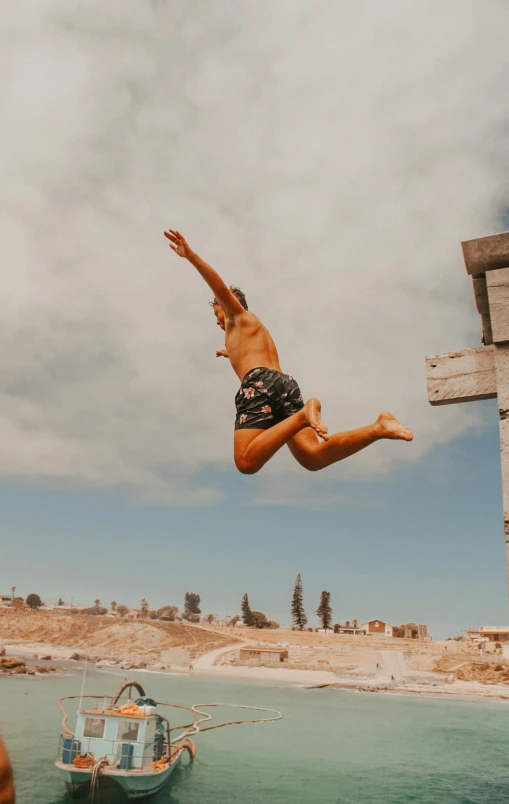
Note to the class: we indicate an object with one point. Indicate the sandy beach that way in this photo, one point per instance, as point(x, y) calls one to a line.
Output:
point(367, 665)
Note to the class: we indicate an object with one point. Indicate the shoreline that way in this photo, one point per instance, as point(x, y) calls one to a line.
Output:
point(439, 688)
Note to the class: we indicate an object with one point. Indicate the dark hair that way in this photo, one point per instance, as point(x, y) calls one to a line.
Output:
point(238, 295)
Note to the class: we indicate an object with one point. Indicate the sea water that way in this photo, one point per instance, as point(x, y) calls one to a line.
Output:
point(331, 746)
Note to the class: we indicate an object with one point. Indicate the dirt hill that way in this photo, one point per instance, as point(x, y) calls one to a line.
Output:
point(107, 636)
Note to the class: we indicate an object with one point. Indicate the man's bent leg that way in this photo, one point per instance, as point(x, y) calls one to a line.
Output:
point(253, 448)
point(314, 455)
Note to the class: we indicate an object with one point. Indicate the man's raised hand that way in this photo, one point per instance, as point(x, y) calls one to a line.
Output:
point(178, 243)
point(222, 353)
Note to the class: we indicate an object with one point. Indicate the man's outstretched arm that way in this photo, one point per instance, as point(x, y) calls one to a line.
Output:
point(222, 292)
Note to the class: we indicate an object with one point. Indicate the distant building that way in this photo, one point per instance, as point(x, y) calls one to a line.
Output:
point(348, 629)
point(377, 628)
point(423, 631)
point(490, 633)
point(264, 654)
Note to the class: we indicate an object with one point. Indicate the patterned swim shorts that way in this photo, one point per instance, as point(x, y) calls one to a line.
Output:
point(265, 398)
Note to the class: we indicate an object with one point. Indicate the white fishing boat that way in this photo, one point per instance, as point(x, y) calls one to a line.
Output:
point(126, 740)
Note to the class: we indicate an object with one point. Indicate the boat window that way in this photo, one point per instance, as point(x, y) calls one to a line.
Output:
point(128, 730)
point(94, 727)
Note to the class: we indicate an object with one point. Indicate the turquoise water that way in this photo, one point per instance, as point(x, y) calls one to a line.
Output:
point(331, 746)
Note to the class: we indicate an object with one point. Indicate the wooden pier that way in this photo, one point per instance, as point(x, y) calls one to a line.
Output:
point(482, 373)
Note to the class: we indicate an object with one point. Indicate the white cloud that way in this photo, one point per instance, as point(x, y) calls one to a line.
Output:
point(327, 158)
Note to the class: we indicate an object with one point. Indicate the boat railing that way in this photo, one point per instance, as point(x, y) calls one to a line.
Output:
point(116, 752)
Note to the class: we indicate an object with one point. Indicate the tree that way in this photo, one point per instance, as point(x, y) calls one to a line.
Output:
point(324, 610)
point(190, 617)
point(247, 614)
point(60, 602)
point(192, 603)
point(144, 608)
point(260, 620)
point(95, 611)
point(405, 630)
point(97, 602)
point(168, 613)
point(34, 601)
point(234, 620)
point(122, 610)
point(354, 623)
point(209, 618)
point(113, 606)
point(298, 614)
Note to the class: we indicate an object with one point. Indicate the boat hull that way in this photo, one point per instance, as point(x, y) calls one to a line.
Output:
point(135, 785)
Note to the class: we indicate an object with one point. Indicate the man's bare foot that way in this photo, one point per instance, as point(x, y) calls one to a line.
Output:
point(390, 427)
point(311, 411)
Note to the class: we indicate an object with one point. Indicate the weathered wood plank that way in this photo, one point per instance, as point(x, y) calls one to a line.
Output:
point(461, 376)
point(501, 353)
point(486, 253)
point(483, 307)
point(498, 295)
point(481, 294)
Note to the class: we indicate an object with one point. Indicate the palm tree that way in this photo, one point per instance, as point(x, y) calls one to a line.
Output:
point(144, 608)
point(113, 605)
point(97, 602)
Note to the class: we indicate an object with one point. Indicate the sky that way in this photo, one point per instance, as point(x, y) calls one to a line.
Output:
point(329, 160)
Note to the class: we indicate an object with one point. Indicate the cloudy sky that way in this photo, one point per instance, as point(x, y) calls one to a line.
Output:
point(327, 157)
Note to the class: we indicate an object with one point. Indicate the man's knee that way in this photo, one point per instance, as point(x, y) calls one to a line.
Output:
point(309, 461)
point(312, 465)
point(245, 466)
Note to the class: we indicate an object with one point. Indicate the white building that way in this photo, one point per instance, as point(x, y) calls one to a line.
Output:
point(490, 633)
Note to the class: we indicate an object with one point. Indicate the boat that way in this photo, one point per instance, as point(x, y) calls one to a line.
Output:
point(126, 741)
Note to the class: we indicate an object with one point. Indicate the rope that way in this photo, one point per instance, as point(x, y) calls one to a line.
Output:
point(94, 781)
point(196, 726)
point(64, 727)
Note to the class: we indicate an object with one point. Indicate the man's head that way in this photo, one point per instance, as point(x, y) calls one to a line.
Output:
point(218, 310)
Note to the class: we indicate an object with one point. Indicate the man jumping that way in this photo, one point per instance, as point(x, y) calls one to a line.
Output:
point(270, 408)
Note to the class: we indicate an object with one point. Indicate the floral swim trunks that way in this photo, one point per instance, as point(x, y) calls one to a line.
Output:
point(265, 398)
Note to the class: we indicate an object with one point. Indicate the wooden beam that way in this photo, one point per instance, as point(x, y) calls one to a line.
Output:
point(501, 353)
point(461, 376)
point(486, 253)
point(498, 295)
point(483, 306)
point(481, 294)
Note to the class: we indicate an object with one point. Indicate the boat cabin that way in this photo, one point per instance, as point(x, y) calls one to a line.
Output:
point(128, 734)
point(126, 739)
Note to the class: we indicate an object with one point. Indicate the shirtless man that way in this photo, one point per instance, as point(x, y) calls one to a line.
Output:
point(270, 408)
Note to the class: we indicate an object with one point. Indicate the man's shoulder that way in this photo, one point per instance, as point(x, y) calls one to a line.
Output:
point(247, 318)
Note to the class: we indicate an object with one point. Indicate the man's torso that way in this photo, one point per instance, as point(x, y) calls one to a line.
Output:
point(249, 345)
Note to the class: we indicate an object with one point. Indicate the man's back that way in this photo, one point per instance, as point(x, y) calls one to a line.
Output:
point(249, 344)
